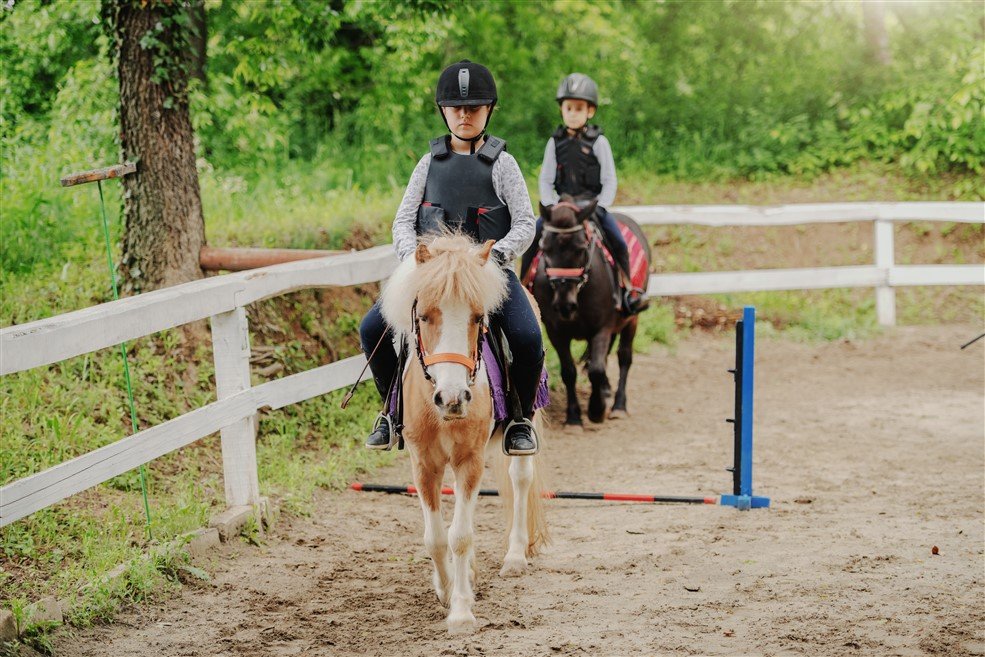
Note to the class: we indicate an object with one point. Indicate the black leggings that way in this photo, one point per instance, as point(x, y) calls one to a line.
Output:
point(515, 317)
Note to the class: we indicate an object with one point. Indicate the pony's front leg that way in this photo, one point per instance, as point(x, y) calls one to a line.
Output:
point(625, 362)
point(599, 350)
point(427, 479)
point(569, 374)
point(521, 476)
point(467, 475)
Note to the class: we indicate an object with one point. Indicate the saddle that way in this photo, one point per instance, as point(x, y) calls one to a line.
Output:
point(497, 358)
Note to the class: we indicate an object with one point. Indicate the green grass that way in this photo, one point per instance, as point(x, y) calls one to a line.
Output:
point(56, 413)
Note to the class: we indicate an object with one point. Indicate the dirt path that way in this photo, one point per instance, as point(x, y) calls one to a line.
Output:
point(871, 451)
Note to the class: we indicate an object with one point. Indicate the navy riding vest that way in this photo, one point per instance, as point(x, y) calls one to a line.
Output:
point(459, 194)
point(578, 170)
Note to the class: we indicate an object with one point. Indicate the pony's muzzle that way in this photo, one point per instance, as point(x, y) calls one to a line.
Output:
point(566, 309)
point(452, 405)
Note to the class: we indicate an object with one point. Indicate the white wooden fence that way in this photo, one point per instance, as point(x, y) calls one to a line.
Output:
point(223, 299)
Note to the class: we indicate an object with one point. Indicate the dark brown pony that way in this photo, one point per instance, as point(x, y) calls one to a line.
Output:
point(578, 294)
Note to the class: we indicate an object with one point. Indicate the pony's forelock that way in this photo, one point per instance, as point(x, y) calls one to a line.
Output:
point(453, 273)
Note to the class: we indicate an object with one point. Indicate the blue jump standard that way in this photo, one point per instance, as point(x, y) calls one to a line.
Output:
point(745, 355)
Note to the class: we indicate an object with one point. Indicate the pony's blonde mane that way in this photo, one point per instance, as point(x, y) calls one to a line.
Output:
point(454, 273)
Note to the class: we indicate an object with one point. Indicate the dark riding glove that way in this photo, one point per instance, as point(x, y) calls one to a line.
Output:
point(501, 259)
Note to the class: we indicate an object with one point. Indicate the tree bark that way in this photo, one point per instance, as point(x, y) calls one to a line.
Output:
point(199, 41)
point(162, 208)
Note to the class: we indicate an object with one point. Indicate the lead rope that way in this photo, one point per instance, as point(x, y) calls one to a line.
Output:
point(123, 354)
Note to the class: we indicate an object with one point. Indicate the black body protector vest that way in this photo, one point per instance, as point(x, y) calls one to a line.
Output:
point(578, 170)
point(459, 193)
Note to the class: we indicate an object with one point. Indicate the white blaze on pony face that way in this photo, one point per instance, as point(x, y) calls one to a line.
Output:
point(450, 286)
point(451, 328)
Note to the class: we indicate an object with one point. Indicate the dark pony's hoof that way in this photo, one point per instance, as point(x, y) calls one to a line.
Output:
point(618, 413)
point(596, 409)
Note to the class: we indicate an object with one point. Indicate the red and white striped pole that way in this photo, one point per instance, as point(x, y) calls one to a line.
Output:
point(611, 497)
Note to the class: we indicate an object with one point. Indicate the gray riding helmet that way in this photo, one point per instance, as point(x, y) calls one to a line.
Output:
point(578, 86)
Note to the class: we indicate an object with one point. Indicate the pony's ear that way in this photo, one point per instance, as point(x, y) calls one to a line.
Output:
point(587, 211)
point(545, 211)
point(423, 254)
point(485, 250)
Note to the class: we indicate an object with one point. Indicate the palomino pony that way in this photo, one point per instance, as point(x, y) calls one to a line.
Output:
point(577, 292)
point(439, 302)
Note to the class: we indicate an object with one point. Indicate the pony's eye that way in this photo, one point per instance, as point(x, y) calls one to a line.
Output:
point(476, 319)
point(425, 319)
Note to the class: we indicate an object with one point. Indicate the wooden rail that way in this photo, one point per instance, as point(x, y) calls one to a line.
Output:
point(212, 258)
point(223, 299)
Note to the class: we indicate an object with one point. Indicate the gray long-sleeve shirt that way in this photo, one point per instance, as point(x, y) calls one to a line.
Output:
point(548, 172)
point(510, 187)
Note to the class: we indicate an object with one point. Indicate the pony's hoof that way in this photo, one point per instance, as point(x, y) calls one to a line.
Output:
point(440, 591)
point(513, 567)
point(461, 623)
point(618, 414)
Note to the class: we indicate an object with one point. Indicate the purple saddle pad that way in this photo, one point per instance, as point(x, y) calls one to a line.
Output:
point(495, 375)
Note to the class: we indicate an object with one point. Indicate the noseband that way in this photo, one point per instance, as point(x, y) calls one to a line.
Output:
point(472, 364)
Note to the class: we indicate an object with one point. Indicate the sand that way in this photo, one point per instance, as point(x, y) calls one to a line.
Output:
point(873, 453)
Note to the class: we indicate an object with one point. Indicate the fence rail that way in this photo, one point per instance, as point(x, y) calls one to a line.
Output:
point(223, 299)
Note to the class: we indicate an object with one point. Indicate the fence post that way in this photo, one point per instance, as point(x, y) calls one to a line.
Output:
point(231, 349)
point(885, 294)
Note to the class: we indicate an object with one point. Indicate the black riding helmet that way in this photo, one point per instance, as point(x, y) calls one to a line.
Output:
point(469, 84)
point(578, 86)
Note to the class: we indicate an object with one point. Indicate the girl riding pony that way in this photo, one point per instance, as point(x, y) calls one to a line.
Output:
point(468, 183)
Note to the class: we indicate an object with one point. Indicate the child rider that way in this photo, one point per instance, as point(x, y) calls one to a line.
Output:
point(467, 182)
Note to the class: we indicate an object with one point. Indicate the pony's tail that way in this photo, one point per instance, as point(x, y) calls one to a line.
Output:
point(537, 532)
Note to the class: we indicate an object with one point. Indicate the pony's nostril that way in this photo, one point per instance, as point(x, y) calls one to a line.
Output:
point(437, 399)
point(467, 396)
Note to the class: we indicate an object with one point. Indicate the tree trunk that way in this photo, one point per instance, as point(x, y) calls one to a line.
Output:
point(876, 37)
point(199, 41)
point(162, 207)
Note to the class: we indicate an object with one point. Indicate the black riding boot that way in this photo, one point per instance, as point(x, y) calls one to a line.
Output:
point(380, 436)
point(520, 439)
point(633, 300)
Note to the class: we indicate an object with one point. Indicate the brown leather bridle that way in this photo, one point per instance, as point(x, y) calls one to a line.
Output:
point(578, 275)
point(472, 364)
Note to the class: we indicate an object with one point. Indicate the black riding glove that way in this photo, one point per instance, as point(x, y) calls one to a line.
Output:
point(501, 259)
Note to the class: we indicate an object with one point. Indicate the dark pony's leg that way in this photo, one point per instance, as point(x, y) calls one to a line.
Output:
point(569, 375)
point(599, 350)
point(625, 361)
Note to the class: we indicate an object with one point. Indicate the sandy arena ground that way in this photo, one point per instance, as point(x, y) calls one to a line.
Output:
point(873, 452)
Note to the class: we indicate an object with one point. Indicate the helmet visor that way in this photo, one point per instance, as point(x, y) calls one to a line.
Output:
point(466, 102)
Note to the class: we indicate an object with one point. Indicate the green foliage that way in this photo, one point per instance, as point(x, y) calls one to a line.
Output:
point(169, 42)
point(693, 90)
